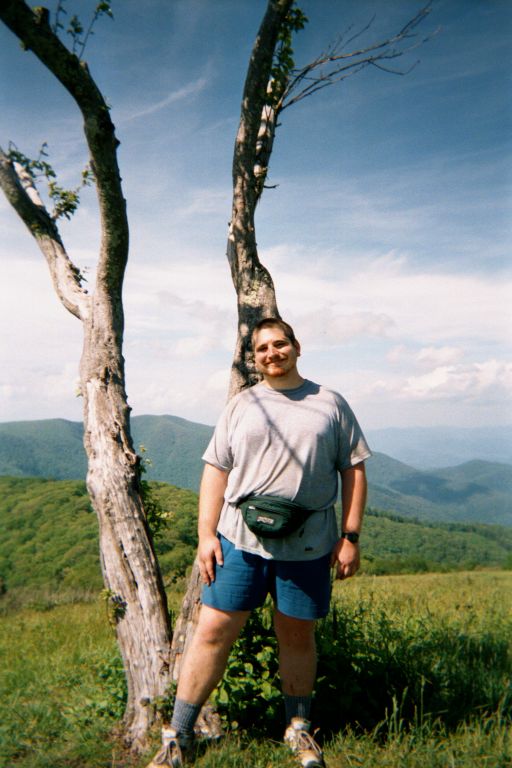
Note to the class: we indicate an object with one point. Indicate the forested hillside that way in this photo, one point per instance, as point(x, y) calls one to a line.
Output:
point(53, 448)
point(476, 491)
point(50, 541)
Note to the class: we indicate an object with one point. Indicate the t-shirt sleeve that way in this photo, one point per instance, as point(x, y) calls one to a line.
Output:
point(219, 451)
point(352, 445)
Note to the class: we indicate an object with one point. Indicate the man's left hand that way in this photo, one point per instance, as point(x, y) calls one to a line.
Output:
point(345, 558)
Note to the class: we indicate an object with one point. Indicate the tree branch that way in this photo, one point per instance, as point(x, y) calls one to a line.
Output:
point(32, 28)
point(253, 146)
point(22, 195)
point(255, 112)
point(333, 65)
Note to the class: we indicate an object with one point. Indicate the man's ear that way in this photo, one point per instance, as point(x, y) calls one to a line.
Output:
point(297, 347)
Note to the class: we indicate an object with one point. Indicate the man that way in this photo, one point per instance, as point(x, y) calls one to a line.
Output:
point(286, 437)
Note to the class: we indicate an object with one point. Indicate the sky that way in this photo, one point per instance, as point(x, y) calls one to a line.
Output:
point(387, 234)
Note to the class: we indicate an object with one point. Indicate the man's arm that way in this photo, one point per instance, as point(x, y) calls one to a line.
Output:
point(211, 499)
point(345, 555)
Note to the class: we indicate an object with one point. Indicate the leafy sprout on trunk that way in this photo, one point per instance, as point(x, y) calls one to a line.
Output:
point(80, 34)
point(65, 201)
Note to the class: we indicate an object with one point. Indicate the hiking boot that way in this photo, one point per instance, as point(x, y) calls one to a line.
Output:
point(303, 745)
point(174, 750)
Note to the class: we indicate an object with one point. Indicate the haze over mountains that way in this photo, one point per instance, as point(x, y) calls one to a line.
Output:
point(472, 491)
point(436, 447)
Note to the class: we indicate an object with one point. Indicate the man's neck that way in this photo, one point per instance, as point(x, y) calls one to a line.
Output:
point(291, 381)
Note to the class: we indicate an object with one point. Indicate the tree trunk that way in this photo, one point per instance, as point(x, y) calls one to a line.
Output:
point(188, 617)
point(253, 283)
point(253, 147)
point(135, 592)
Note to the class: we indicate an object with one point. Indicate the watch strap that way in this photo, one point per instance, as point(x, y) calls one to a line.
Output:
point(352, 536)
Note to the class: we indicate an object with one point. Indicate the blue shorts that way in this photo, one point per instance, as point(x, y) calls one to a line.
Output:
point(300, 588)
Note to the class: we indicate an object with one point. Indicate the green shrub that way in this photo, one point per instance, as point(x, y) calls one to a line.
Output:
point(249, 695)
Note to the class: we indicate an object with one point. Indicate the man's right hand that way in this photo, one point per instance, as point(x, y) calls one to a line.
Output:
point(209, 554)
point(211, 499)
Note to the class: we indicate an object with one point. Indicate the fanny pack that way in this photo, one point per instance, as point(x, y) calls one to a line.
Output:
point(272, 516)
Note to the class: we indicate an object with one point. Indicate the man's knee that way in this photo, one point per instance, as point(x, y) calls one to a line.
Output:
point(219, 628)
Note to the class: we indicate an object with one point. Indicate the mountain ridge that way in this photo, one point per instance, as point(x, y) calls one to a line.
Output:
point(473, 491)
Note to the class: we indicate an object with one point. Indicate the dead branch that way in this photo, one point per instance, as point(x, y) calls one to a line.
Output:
point(335, 65)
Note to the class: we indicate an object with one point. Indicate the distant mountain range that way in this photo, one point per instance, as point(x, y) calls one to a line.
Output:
point(473, 491)
point(435, 447)
point(476, 491)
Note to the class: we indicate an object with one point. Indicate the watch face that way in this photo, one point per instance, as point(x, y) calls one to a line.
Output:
point(352, 537)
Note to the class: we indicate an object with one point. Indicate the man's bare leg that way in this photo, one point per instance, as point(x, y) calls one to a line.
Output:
point(297, 654)
point(207, 655)
point(203, 667)
point(297, 667)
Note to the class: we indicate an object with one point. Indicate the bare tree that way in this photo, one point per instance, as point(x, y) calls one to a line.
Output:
point(132, 578)
point(273, 84)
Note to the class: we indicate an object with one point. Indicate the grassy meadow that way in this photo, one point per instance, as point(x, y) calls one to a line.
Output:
point(414, 672)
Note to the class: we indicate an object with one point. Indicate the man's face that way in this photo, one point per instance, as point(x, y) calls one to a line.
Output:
point(274, 354)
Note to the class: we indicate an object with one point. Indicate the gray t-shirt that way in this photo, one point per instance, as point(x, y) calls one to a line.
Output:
point(290, 443)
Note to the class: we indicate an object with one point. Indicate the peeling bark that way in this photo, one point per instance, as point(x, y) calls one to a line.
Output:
point(130, 569)
point(182, 634)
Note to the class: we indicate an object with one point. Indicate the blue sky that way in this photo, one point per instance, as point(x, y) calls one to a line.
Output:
point(388, 234)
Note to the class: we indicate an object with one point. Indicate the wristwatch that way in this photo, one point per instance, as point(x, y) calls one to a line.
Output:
point(352, 536)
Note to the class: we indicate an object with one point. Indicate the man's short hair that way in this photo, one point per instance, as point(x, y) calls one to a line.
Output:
point(269, 322)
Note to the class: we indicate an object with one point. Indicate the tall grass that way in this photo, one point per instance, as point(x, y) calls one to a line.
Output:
point(61, 688)
point(414, 673)
point(431, 648)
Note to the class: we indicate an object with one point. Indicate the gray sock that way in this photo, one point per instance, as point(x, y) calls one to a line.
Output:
point(184, 717)
point(297, 706)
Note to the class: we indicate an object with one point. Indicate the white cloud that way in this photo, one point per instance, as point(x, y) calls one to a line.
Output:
point(372, 331)
point(325, 327)
point(218, 381)
point(190, 89)
point(54, 392)
point(426, 357)
point(425, 308)
point(206, 202)
point(489, 378)
point(397, 354)
point(191, 388)
point(193, 346)
point(436, 356)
